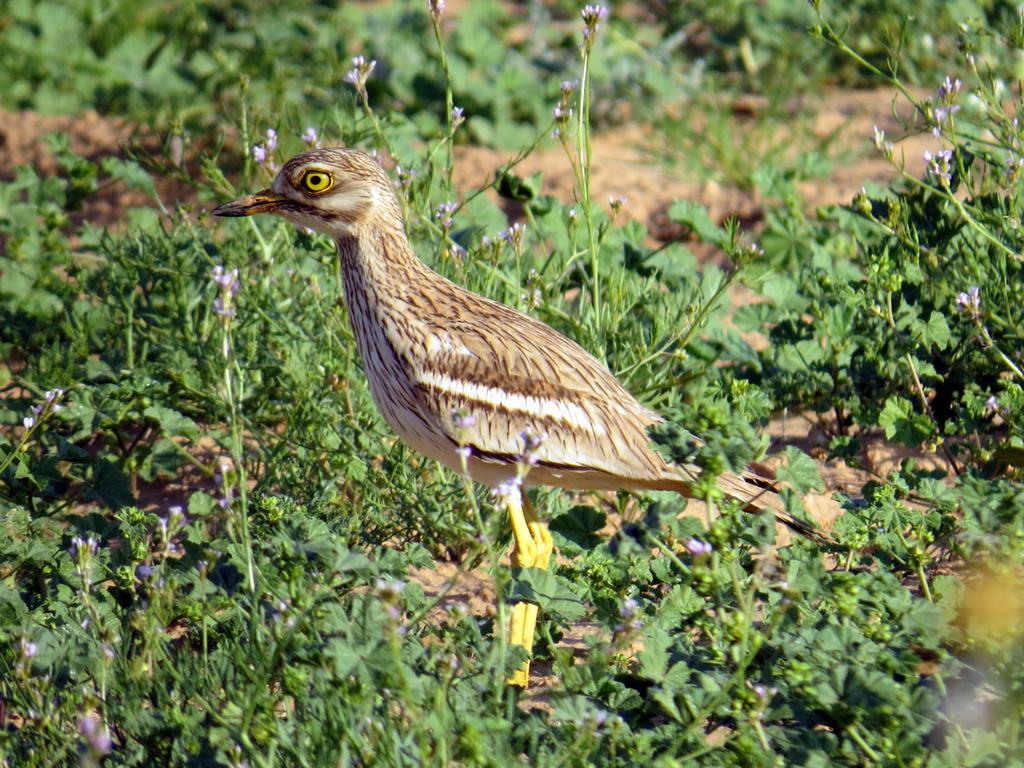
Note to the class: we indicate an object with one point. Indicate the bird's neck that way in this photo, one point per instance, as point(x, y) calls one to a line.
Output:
point(378, 262)
point(387, 288)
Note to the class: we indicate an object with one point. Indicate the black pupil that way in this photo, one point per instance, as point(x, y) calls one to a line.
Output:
point(315, 180)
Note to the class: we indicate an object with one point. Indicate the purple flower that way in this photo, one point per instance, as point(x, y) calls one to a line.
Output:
point(83, 547)
point(310, 136)
point(1014, 165)
point(29, 422)
point(598, 718)
point(940, 166)
point(532, 441)
point(389, 590)
point(514, 234)
point(698, 548)
point(271, 139)
point(628, 609)
point(28, 648)
point(562, 110)
point(95, 733)
point(360, 73)
point(435, 8)
point(940, 115)
point(458, 117)
point(444, 214)
point(463, 420)
point(405, 176)
point(883, 146)
point(949, 89)
point(259, 153)
point(592, 15)
point(509, 489)
point(969, 301)
point(754, 251)
point(227, 282)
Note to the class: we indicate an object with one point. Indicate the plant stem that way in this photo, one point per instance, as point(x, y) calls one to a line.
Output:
point(583, 177)
point(449, 104)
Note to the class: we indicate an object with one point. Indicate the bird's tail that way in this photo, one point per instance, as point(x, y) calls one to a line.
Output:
point(754, 491)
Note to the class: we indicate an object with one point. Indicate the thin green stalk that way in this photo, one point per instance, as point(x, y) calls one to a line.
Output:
point(583, 150)
point(129, 331)
point(493, 561)
point(681, 339)
point(977, 227)
point(237, 456)
point(234, 389)
point(854, 733)
point(1002, 355)
point(923, 578)
point(266, 251)
point(518, 158)
point(919, 388)
point(449, 103)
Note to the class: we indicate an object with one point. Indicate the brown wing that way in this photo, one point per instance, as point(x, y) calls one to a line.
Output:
point(513, 373)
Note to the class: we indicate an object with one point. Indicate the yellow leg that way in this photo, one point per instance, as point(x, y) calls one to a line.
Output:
point(543, 547)
point(533, 548)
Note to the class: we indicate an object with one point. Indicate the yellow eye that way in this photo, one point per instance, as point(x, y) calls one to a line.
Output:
point(317, 181)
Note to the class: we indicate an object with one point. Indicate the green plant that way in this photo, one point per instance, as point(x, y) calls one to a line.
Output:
point(214, 552)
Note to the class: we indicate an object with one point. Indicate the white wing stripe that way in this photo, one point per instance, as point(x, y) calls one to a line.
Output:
point(568, 413)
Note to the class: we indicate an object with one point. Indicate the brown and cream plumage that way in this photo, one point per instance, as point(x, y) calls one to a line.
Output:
point(435, 354)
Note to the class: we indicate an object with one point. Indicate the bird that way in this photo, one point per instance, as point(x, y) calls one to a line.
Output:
point(471, 382)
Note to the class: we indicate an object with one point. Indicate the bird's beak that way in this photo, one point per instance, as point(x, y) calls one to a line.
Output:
point(261, 202)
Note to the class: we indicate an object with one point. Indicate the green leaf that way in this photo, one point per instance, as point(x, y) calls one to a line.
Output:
point(902, 424)
point(575, 709)
point(552, 593)
point(343, 657)
point(513, 187)
point(934, 333)
point(579, 526)
point(666, 701)
point(654, 656)
point(800, 471)
point(695, 216)
point(130, 172)
point(681, 602)
point(110, 484)
point(172, 423)
point(70, 452)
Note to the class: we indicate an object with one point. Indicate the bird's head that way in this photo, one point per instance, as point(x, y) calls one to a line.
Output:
point(332, 191)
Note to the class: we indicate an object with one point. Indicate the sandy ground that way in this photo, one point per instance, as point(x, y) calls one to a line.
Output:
point(623, 164)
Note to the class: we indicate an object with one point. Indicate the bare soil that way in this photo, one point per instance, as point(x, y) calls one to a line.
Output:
point(23, 141)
